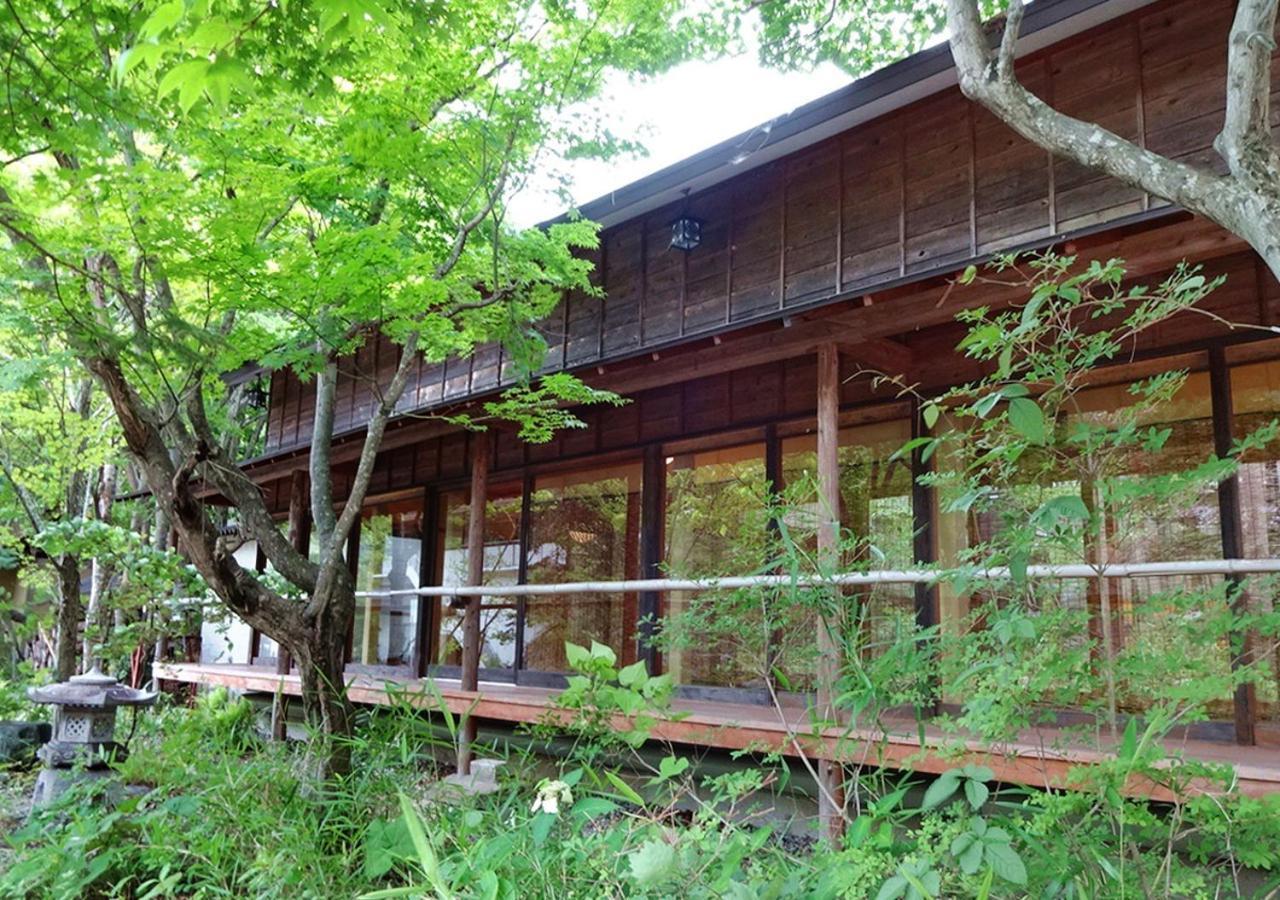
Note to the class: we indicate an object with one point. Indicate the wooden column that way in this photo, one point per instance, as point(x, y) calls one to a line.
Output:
point(475, 576)
point(830, 774)
point(653, 488)
point(300, 538)
point(1246, 701)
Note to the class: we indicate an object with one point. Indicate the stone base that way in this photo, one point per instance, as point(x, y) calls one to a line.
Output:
point(53, 783)
point(482, 780)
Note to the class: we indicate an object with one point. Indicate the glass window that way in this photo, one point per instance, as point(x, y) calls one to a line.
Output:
point(385, 632)
point(876, 532)
point(716, 524)
point(584, 526)
point(1255, 398)
point(501, 566)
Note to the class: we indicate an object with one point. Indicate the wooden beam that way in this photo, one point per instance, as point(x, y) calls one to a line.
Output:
point(830, 627)
point(1148, 252)
point(882, 354)
point(475, 576)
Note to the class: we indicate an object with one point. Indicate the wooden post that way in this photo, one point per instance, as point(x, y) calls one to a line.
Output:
point(1245, 700)
point(830, 774)
point(475, 576)
point(300, 538)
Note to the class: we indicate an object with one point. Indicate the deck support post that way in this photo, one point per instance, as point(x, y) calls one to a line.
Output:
point(1245, 700)
point(300, 538)
point(475, 576)
point(830, 772)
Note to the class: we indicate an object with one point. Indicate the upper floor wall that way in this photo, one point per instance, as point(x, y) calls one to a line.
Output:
point(917, 192)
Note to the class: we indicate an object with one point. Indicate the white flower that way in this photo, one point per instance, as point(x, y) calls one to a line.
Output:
point(551, 793)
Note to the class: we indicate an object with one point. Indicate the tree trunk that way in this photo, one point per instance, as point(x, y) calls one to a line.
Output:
point(68, 617)
point(96, 623)
point(322, 661)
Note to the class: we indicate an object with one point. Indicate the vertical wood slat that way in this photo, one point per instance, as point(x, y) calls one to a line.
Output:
point(831, 795)
point(1245, 699)
point(475, 575)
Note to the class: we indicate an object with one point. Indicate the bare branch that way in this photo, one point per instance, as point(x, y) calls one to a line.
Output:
point(1245, 141)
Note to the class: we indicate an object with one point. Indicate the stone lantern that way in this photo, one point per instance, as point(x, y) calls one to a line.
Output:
point(84, 729)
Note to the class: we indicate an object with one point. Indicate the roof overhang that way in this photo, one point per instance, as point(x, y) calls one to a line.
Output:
point(884, 90)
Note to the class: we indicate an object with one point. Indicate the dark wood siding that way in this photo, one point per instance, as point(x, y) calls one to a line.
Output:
point(921, 189)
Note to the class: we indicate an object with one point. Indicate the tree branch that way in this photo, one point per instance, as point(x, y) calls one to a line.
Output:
point(1245, 141)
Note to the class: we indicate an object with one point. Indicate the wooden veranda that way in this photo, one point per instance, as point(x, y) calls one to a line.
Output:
point(1043, 757)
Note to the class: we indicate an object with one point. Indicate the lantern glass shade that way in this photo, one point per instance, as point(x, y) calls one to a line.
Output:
point(686, 233)
point(256, 396)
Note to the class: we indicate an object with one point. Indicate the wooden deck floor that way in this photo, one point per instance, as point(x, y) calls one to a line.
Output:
point(1040, 758)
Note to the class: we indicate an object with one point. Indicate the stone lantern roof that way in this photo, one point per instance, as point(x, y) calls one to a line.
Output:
point(92, 689)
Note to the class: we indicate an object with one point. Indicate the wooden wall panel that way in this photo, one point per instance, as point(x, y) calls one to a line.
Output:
point(811, 225)
point(757, 237)
point(939, 140)
point(871, 204)
point(1011, 196)
point(706, 286)
point(624, 277)
point(661, 311)
point(919, 190)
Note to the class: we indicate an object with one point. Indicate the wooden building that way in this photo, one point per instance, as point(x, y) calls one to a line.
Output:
point(829, 240)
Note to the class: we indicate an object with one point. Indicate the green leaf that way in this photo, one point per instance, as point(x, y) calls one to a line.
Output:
point(182, 76)
point(577, 656)
point(1129, 743)
point(1027, 419)
point(892, 889)
point(603, 651)
point(929, 413)
point(1006, 862)
point(630, 676)
point(626, 790)
point(165, 17)
point(942, 788)
point(970, 859)
point(653, 863)
point(976, 793)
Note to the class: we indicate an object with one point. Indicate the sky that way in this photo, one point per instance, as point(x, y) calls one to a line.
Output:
point(674, 115)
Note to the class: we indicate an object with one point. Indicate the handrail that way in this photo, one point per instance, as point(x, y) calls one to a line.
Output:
point(847, 579)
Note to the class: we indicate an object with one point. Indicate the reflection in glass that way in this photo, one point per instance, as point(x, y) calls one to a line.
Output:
point(1255, 393)
point(386, 623)
point(584, 526)
point(876, 533)
point(716, 524)
point(501, 566)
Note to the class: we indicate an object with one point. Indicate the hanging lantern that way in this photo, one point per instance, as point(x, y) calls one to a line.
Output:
point(686, 233)
point(256, 396)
